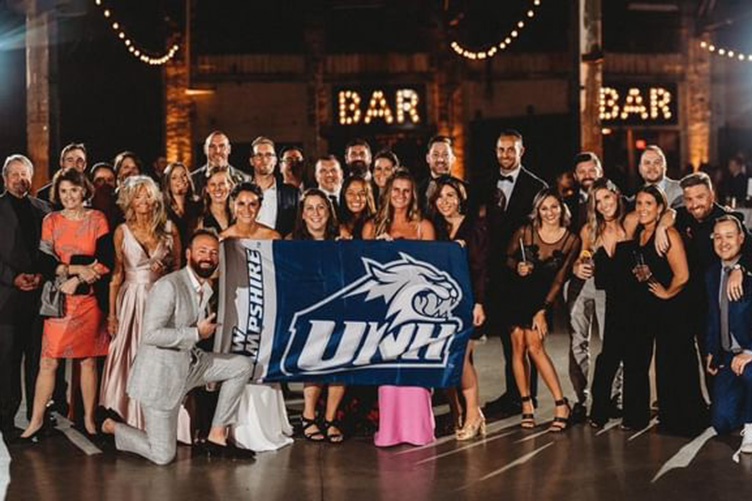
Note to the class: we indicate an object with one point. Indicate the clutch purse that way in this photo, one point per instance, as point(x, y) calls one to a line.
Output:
point(53, 300)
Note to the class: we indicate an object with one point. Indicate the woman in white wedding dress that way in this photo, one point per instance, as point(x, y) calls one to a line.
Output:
point(262, 423)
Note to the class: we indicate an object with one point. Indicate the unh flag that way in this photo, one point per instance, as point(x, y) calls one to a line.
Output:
point(353, 312)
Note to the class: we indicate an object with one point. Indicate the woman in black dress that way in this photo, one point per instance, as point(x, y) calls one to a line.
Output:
point(541, 253)
point(453, 223)
point(658, 316)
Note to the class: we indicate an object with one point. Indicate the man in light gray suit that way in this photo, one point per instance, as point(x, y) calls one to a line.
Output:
point(653, 171)
point(168, 364)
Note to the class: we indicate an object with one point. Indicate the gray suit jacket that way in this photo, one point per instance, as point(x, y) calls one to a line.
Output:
point(161, 368)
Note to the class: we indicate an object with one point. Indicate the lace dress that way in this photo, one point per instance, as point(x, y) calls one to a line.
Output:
point(552, 263)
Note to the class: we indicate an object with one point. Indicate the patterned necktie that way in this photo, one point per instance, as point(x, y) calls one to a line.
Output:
point(725, 334)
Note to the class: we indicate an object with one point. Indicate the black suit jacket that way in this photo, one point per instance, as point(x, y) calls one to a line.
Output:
point(503, 224)
point(14, 255)
point(287, 207)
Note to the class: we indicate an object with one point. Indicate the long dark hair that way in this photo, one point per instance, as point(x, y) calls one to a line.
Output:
point(300, 232)
point(355, 222)
point(658, 195)
point(440, 223)
point(190, 196)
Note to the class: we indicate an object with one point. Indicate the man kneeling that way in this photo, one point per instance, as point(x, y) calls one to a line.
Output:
point(729, 335)
point(168, 364)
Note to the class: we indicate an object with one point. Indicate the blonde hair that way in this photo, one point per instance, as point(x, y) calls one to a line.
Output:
point(385, 216)
point(127, 193)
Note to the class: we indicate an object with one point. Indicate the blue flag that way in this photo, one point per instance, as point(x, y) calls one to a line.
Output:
point(352, 312)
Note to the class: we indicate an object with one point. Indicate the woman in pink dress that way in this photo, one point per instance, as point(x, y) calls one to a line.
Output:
point(146, 248)
point(405, 412)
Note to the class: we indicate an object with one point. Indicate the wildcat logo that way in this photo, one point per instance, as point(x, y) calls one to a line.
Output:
point(399, 314)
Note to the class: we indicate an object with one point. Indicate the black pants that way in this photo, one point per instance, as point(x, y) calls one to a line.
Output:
point(613, 352)
point(682, 409)
point(20, 341)
point(638, 353)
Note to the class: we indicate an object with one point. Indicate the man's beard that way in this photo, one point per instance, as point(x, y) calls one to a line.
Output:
point(201, 271)
point(358, 168)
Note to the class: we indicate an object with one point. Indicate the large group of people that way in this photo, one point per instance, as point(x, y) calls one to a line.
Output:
point(132, 258)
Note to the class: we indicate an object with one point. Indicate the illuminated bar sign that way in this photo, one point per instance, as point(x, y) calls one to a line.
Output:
point(639, 104)
point(385, 106)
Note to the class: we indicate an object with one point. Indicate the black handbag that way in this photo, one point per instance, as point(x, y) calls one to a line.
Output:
point(53, 300)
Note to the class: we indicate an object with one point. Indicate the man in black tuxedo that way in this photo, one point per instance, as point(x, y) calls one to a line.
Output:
point(280, 203)
point(509, 201)
point(20, 283)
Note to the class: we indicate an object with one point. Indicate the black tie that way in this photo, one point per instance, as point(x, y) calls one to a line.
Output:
point(506, 178)
point(334, 201)
point(725, 334)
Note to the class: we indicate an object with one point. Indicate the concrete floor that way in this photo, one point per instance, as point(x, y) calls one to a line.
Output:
point(582, 464)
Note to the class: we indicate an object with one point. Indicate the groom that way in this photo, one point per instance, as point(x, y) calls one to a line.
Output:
point(168, 364)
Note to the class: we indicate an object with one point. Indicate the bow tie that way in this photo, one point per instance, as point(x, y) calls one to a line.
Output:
point(506, 178)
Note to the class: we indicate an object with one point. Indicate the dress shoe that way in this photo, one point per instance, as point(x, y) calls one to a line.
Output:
point(229, 451)
point(579, 413)
point(746, 446)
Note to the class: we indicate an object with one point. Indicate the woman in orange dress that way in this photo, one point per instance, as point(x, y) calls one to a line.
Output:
point(69, 243)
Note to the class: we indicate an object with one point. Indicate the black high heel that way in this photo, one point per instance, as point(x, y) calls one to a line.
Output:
point(528, 419)
point(336, 437)
point(561, 423)
point(313, 436)
point(30, 440)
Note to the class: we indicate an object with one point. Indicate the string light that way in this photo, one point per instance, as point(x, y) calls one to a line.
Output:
point(721, 51)
point(138, 53)
point(503, 45)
